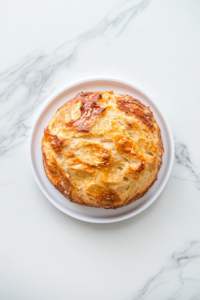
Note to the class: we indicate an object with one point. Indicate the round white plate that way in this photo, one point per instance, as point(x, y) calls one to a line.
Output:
point(89, 214)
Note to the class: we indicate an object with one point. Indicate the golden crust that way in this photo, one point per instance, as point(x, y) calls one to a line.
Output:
point(102, 149)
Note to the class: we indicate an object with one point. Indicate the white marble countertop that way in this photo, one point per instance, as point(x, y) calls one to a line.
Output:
point(46, 45)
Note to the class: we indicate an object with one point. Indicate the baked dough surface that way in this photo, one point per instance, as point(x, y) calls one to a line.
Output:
point(102, 149)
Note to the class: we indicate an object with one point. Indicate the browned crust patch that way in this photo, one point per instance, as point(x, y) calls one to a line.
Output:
point(89, 110)
point(54, 141)
point(141, 194)
point(60, 181)
point(105, 198)
point(134, 107)
point(135, 173)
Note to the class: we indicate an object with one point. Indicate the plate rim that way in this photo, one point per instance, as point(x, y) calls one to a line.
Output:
point(126, 215)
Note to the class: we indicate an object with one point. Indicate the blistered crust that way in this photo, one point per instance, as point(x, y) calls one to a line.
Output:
point(102, 149)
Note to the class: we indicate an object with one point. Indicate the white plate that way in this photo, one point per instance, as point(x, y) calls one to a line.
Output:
point(89, 214)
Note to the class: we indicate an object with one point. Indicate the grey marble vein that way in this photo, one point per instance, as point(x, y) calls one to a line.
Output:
point(24, 87)
point(182, 158)
point(111, 26)
point(179, 279)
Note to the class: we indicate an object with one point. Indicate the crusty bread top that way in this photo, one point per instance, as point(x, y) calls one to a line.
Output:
point(102, 149)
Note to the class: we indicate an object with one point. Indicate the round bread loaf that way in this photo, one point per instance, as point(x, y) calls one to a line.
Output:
point(102, 149)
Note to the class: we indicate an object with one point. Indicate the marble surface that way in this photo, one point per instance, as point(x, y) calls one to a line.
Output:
point(46, 45)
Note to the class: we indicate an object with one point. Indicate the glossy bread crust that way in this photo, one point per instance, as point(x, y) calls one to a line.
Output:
point(102, 149)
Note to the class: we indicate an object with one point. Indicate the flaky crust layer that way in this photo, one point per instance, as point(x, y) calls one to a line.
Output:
point(102, 149)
